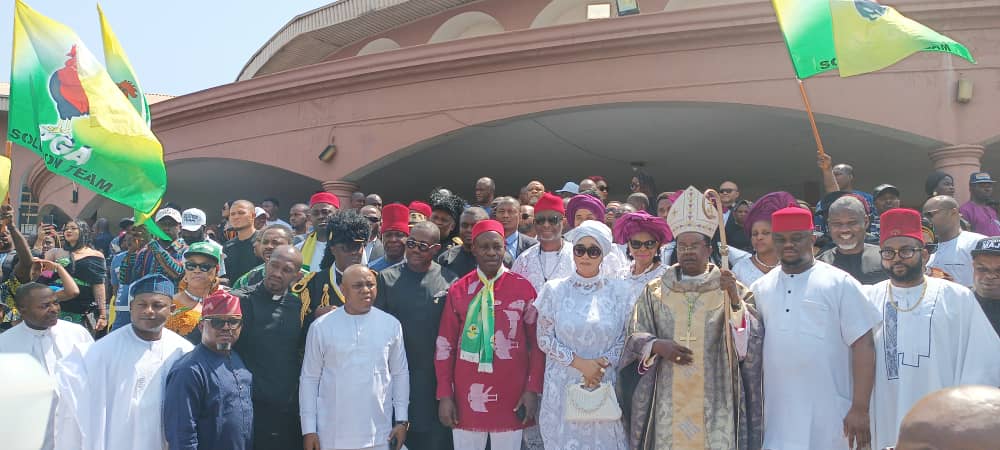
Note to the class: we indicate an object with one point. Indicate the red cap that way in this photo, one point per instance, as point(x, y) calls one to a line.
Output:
point(421, 208)
point(221, 303)
point(898, 222)
point(396, 217)
point(324, 197)
point(550, 202)
point(485, 226)
point(792, 218)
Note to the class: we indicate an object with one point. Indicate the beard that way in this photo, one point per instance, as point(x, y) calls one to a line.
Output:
point(224, 346)
point(912, 273)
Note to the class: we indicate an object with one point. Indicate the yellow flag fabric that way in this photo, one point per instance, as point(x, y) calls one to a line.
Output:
point(869, 37)
point(4, 176)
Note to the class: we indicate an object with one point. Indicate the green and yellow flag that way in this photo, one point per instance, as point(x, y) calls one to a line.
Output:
point(870, 37)
point(854, 36)
point(65, 107)
point(120, 69)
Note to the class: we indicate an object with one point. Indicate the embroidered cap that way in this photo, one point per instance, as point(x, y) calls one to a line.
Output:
point(987, 246)
point(791, 218)
point(221, 303)
point(692, 212)
point(154, 283)
point(900, 222)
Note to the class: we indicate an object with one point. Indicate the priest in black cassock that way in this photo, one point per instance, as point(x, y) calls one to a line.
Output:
point(271, 345)
point(414, 293)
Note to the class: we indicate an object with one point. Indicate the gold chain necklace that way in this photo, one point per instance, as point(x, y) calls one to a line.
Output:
point(892, 301)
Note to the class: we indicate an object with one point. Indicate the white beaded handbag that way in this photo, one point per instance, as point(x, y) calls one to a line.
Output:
point(585, 405)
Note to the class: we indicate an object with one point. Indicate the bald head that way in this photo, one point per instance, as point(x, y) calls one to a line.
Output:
point(940, 202)
point(425, 232)
point(964, 417)
point(844, 174)
point(287, 253)
point(359, 287)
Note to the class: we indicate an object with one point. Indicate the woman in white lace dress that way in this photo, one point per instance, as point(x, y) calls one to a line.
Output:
point(581, 329)
point(643, 235)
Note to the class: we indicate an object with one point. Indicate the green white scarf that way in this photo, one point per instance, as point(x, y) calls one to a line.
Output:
point(477, 335)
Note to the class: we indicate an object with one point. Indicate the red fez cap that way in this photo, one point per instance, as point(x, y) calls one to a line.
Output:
point(396, 217)
point(221, 303)
point(421, 208)
point(324, 197)
point(484, 226)
point(550, 202)
point(791, 218)
point(898, 222)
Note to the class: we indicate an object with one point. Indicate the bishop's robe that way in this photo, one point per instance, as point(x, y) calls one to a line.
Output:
point(716, 401)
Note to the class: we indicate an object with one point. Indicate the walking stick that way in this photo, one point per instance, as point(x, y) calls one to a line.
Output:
point(730, 295)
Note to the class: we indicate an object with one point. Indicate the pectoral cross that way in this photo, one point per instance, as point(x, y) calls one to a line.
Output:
point(692, 304)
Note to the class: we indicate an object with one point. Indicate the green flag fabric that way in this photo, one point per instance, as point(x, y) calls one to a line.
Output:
point(65, 108)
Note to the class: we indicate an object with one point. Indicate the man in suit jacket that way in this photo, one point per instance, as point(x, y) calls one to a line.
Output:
point(508, 213)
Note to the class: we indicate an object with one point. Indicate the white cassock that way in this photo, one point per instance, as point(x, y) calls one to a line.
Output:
point(49, 347)
point(124, 382)
point(945, 341)
point(810, 321)
point(955, 257)
point(539, 267)
point(354, 378)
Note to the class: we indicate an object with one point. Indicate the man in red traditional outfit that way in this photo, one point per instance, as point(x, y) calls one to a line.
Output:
point(489, 312)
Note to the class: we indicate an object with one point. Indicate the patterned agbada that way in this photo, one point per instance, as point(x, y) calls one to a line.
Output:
point(485, 400)
point(716, 401)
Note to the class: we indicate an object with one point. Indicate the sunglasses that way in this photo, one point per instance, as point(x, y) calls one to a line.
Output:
point(373, 219)
point(551, 220)
point(602, 188)
point(930, 214)
point(350, 247)
point(193, 266)
point(525, 216)
point(726, 191)
point(592, 251)
point(219, 323)
point(650, 244)
point(422, 246)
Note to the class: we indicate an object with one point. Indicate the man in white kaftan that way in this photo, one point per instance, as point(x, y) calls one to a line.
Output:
point(121, 406)
point(355, 378)
point(933, 334)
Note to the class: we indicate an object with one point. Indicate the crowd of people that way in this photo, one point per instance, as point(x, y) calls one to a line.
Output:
point(572, 318)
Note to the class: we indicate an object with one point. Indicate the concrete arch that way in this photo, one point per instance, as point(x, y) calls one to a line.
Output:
point(378, 46)
point(670, 138)
point(562, 12)
point(466, 25)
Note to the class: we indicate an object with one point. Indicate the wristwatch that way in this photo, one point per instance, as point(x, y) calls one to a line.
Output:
point(404, 423)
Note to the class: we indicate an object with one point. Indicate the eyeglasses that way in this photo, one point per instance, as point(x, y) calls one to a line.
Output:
point(690, 248)
point(525, 216)
point(904, 253)
point(193, 266)
point(726, 191)
point(551, 220)
point(650, 244)
point(373, 219)
point(422, 246)
point(592, 251)
point(220, 323)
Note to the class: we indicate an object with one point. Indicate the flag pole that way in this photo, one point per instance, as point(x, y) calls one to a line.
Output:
point(812, 119)
point(8, 152)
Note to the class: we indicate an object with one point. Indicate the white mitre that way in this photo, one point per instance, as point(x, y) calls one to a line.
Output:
point(693, 212)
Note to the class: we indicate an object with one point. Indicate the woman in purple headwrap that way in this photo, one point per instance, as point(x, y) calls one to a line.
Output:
point(643, 234)
point(584, 207)
point(757, 226)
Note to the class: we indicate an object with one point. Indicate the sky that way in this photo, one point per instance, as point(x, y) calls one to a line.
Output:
point(176, 47)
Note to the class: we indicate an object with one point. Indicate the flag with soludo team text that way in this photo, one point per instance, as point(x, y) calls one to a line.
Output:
point(65, 107)
point(853, 36)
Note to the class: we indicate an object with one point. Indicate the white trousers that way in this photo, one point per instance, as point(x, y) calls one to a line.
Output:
point(472, 440)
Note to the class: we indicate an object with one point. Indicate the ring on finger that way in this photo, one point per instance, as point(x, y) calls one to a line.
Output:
point(678, 359)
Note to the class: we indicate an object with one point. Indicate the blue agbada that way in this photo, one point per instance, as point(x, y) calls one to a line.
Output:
point(208, 404)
